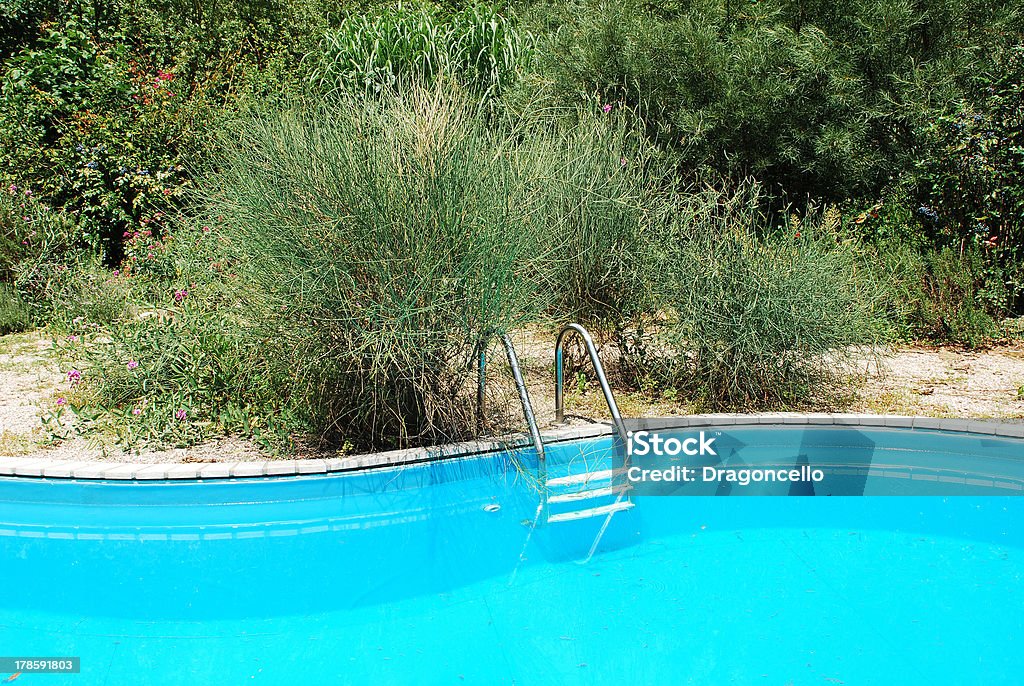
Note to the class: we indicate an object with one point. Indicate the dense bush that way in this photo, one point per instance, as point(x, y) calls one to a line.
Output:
point(758, 318)
point(818, 99)
point(973, 178)
point(98, 135)
point(14, 315)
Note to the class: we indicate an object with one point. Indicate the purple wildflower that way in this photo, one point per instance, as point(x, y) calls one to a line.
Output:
point(74, 376)
point(180, 415)
point(132, 364)
point(607, 108)
point(180, 295)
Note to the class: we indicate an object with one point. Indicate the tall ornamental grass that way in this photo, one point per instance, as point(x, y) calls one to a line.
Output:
point(386, 242)
point(415, 42)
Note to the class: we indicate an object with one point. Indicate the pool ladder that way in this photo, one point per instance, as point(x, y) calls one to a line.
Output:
point(594, 492)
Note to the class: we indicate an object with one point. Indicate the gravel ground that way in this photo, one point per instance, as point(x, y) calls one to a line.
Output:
point(912, 380)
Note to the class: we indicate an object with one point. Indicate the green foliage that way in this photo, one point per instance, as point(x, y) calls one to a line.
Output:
point(14, 314)
point(412, 43)
point(597, 198)
point(99, 136)
point(388, 243)
point(39, 252)
point(816, 99)
point(974, 178)
point(173, 376)
point(951, 305)
point(760, 319)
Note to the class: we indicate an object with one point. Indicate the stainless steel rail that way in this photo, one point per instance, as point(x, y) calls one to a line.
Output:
point(620, 429)
point(524, 397)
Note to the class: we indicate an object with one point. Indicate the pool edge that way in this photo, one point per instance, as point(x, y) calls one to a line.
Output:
point(47, 468)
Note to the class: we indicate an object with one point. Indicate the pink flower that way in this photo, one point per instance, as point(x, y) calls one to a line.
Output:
point(180, 295)
point(206, 229)
point(136, 411)
point(132, 364)
point(607, 108)
point(117, 272)
point(62, 401)
point(180, 415)
point(74, 376)
point(72, 338)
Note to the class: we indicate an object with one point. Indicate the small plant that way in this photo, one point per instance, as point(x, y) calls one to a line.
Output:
point(14, 314)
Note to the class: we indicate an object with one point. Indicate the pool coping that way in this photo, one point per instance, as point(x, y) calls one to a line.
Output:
point(48, 468)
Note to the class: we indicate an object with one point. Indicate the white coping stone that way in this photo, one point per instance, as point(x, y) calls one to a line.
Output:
point(338, 464)
point(120, 471)
point(954, 425)
point(62, 469)
point(311, 466)
point(979, 427)
point(903, 422)
point(91, 470)
point(151, 471)
point(112, 470)
point(30, 467)
point(282, 467)
point(846, 420)
point(1016, 430)
point(182, 471)
point(248, 469)
point(216, 470)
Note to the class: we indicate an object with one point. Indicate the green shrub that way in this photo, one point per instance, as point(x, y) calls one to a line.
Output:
point(973, 179)
point(413, 43)
point(756, 317)
point(813, 99)
point(596, 194)
point(97, 135)
point(951, 305)
point(14, 314)
point(41, 258)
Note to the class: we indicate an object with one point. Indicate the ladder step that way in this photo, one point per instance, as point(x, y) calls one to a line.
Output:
point(590, 493)
point(583, 477)
point(591, 512)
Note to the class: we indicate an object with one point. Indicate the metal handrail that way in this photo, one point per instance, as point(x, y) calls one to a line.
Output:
point(524, 397)
point(620, 429)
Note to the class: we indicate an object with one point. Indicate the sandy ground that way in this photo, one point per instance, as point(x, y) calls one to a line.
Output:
point(911, 380)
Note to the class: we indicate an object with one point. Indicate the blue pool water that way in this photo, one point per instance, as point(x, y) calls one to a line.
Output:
point(406, 576)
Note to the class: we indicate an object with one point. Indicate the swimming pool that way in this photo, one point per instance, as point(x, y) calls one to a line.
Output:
point(434, 573)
